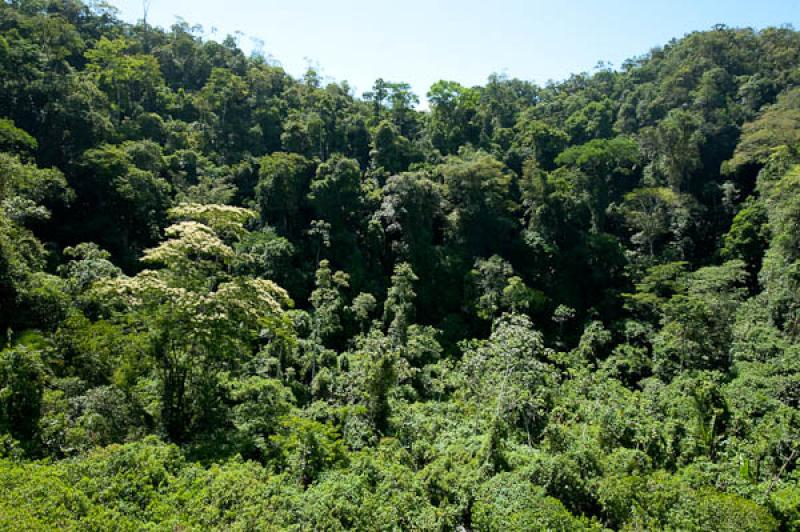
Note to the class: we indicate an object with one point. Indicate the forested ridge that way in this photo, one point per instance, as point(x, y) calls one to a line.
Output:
point(231, 299)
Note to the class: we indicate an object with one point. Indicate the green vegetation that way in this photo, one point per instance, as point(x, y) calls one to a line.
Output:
point(235, 300)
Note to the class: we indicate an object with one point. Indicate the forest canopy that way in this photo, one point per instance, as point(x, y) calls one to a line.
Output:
point(232, 299)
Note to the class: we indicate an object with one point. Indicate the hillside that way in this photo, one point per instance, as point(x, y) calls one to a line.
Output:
point(231, 299)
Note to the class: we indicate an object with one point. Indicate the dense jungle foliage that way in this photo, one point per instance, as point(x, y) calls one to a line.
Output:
point(235, 300)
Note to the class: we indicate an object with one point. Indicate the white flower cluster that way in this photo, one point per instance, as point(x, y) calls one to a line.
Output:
point(241, 303)
point(222, 218)
point(187, 240)
point(255, 295)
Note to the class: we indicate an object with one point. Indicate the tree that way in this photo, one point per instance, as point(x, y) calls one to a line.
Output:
point(413, 221)
point(327, 300)
point(674, 148)
point(506, 502)
point(779, 274)
point(609, 167)
point(508, 379)
point(390, 150)
point(124, 185)
point(748, 237)
point(197, 318)
point(261, 404)
point(491, 276)
point(697, 325)
point(777, 125)
point(591, 122)
point(335, 195)
point(656, 213)
point(452, 109)
point(399, 99)
point(306, 448)
point(537, 140)
point(399, 305)
point(88, 264)
point(132, 82)
point(15, 140)
point(477, 187)
point(283, 181)
point(518, 297)
point(336, 189)
point(22, 380)
point(223, 105)
point(27, 295)
point(363, 306)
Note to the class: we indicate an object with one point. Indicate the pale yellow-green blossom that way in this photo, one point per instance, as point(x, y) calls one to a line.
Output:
point(225, 219)
point(188, 239)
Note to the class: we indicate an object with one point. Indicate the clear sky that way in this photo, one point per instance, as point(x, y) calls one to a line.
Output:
point(419, 41)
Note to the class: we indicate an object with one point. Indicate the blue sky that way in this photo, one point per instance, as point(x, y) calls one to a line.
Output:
point(420, 42)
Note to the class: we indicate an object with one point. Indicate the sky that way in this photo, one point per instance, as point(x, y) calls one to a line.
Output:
point(420, 42)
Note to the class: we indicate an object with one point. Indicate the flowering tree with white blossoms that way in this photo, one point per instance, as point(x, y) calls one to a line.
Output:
point(200, 319)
